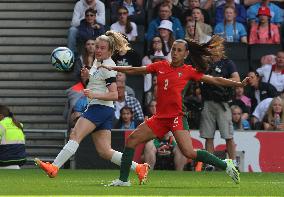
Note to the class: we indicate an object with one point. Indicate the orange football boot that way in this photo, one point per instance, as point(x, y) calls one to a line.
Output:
point(142, 172)
point(50, 169)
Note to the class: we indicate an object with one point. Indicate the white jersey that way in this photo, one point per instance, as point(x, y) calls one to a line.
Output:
point(97, 80)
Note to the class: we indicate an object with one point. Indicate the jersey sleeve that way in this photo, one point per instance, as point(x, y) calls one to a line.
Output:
point(109, 76)
point(194, 74)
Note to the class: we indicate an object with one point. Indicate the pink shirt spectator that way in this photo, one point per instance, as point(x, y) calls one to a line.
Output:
point(261, 36)
point(246, 100)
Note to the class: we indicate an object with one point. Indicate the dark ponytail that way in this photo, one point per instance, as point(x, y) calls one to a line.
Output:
point(201, 55)
point(4, 110)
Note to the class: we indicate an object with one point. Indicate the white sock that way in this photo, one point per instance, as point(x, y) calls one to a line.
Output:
point(68, 150)
point(116, 159)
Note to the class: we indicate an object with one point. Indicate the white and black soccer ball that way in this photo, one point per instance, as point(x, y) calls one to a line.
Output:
point(62, 58)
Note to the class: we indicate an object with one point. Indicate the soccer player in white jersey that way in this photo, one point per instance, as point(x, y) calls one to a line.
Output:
point(97, 119)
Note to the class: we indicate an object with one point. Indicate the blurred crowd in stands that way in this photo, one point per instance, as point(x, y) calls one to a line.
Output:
point(163, 21)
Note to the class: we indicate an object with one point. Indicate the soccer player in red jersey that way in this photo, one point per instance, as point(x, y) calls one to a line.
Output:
point(173, 79)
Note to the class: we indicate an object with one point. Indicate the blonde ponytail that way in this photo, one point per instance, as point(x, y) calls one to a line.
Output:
point(118, 41)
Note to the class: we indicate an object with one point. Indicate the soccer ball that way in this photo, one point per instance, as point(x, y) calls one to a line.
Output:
point(62, 58)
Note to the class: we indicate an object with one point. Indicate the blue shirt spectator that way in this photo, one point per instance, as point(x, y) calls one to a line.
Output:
point(87, 31)
point(165, 14)
point(241, 14)
point(276, 12)
point(232, 32)
point(81, 104)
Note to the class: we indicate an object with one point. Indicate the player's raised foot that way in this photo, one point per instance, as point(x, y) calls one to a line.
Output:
point(142, 172)
point(118, 182)
point(48, 168)
point(232, 171)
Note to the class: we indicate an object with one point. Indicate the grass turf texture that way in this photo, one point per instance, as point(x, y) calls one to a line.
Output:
point(33, 182)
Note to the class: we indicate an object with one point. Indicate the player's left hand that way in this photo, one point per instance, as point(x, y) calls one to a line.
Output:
point(88, 93)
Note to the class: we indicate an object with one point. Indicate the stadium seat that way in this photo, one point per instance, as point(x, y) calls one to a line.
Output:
point(136, 82)
point(138, 47)
point(141, 33)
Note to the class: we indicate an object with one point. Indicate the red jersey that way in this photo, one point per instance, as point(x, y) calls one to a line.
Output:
point(172, 83)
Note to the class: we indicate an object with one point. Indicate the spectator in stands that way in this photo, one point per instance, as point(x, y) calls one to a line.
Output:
point(259, 90)
point(166, 32)
point(204, 4)
point(136, 12)
point(165, 14)
point(240, 11)
point(79, 14)
point(275, 11)
point(238, 122)
point(128, 90)
point(124, 25)
point(198, 17)
point(175, 8)
point(268, 59)
point(231, 30)
point(157, 50)
point(259, 113)
point(125, 100)
point(193, 31)
point(73, 93)
point(221, 2)
point(242, 101)
point(151, 109)
point(12, 140)
point(86, 59)
point(79, 107)
point(126, 58)
point(274, 74)
point(151, 94)
point(160, 153)
point(126, 120)
point(274, 117)
point(264, 32)
point(89, 27)
point(189, 9)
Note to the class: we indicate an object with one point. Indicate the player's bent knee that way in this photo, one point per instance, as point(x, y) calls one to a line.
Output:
point(104, 153)
point(74, 136)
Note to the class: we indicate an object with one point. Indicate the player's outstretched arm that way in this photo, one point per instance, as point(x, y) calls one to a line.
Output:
point(223, 81)
point(127, 69)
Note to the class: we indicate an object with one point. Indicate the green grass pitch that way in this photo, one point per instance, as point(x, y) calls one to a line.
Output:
point(33, 182)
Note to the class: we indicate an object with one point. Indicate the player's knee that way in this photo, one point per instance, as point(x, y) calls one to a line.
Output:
point(74, 136)
point(104, 153)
